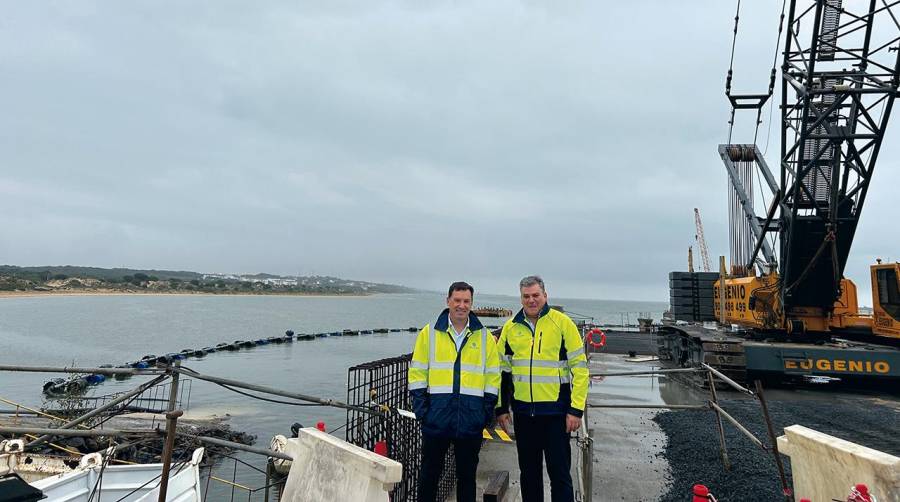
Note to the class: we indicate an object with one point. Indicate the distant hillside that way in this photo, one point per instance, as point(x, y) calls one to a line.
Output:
point(66, 278)
point(97, 273)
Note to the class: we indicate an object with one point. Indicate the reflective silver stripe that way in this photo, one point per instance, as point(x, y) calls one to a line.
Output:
point(483, 349)
point(440, 389)
point(417, 365)
point(418, 385)
point(471, 368)
point(491, 371)
point(432, 346)
point(579, 364)
point(540, 379)
point(575, 353)
point(432, 358)
point(505, 369)
point(564, 379)
point(471, 391)
point(539, 363)
point(491, 390)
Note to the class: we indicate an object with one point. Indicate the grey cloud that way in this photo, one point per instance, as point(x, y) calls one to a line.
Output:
point(406, 142)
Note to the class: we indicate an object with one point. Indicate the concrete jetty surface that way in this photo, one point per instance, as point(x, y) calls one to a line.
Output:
point(627, 443)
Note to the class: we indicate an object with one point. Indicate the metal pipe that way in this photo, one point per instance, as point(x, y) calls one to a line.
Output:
point(96, 411)
point(173, 387)
point(171, 423)
point(652, 406)
point(17, 412)
point(737, 424)
point(277, 392)
point(647, 372)
point(587, 460)
point(786, 490)
point(238, 446)
point(727, 380)
point(63, 369)
point(77, 432)
point(172, 416)
point(723, 451)
point(722, 290)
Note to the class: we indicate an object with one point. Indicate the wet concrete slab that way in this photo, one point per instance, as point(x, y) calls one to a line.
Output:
point(627, 443)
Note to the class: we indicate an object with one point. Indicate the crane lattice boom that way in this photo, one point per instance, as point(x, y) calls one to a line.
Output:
point(701, 241)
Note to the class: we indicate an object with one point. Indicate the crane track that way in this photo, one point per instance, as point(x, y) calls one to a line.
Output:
point(689, 346)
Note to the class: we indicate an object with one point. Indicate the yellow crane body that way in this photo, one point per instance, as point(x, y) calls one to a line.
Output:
point(753, 302)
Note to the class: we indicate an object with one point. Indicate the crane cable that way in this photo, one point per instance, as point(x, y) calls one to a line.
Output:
point(737, 17)
point(772, 75)
point(738, 239)
point(772, 80)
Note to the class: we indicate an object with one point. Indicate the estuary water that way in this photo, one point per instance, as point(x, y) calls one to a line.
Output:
point(101, 329)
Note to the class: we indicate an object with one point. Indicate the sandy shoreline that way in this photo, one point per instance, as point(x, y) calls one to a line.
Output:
point(32, 294)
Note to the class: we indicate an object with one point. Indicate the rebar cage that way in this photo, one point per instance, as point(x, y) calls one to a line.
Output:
point(384, 382)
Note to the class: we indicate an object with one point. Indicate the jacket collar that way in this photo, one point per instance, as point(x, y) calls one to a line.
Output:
point(443, 321)
point(520, 316)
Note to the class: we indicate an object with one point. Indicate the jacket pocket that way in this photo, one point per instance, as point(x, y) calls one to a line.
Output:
point(437, 421)
point(471, 417)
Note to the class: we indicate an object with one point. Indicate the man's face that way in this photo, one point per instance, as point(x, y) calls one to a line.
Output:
point(533, 300)
point(460, 303)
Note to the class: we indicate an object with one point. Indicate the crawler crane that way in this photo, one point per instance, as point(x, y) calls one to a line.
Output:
point(784, 306)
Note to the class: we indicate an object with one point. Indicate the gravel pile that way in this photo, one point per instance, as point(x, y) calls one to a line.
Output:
point(693, 454)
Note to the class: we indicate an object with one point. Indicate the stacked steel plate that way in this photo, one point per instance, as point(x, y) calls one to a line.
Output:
point(691, 295)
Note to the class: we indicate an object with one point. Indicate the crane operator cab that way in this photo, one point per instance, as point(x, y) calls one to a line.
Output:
point(886, 299)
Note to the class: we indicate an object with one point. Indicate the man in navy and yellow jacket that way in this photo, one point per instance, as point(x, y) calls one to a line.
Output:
point(454, 379)
point(545, 377)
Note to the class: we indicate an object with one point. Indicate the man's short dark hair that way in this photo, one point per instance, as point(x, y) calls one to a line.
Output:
point(531, 280)
point(460, 286)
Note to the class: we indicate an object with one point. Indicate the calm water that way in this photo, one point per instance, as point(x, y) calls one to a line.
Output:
point(95, 330)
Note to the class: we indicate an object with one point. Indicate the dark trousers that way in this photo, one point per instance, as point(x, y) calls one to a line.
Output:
point(538, 438)
point(434, 449)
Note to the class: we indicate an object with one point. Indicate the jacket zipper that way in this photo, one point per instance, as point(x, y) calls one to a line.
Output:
point(531, 372)
point(455, 391)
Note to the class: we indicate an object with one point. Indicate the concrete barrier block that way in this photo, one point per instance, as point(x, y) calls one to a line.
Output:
point(825, 467)
point(328, 468)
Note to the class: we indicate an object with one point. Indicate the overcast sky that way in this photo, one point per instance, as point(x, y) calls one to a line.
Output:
point(406, 142)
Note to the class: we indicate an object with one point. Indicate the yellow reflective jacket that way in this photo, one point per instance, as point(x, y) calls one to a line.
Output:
point(454, 392)
point(544, 371)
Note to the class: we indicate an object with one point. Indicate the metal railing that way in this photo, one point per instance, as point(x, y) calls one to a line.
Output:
point(383, 383)
point(388, 379)
point(713, 376)
point(153, 400)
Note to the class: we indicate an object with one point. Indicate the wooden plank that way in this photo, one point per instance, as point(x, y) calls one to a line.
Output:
point(496, 487)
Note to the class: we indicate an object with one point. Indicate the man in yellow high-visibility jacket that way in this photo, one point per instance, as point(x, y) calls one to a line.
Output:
point(454, 380)
point(545, 377)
